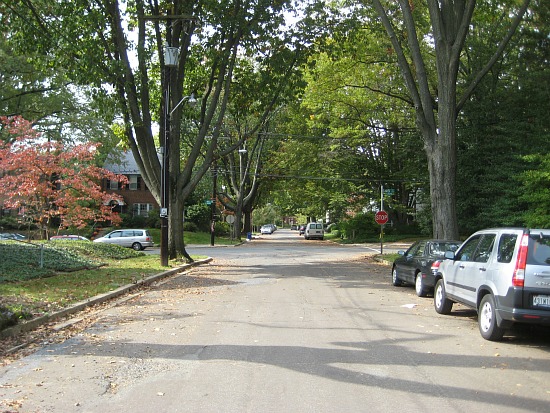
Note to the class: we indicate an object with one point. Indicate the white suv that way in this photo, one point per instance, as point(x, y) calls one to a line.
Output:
point(138, 239)
point(503, 273)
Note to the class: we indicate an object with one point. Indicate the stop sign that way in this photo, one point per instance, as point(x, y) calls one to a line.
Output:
point(381, 217)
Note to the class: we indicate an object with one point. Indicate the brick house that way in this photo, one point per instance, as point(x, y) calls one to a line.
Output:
point(138, 200)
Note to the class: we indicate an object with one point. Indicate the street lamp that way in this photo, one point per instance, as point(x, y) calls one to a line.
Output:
point(213, 205)
point(171, 56)
point(191, 101)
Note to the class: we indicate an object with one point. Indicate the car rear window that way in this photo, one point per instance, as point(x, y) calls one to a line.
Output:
point(506, 246)
point(438, 249)
point(539, 249)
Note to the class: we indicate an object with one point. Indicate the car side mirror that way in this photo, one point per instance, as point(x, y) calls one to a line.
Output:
point(449, 255)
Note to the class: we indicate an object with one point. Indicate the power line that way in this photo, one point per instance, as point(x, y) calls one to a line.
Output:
point(329, 178)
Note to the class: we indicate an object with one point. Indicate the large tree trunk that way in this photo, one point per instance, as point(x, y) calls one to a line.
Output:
point(442, 167)
point(237, 225)
point(176, 245)
point(441, 153)
point(247, 219)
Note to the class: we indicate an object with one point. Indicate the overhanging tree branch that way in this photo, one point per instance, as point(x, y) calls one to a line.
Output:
point(498, 53)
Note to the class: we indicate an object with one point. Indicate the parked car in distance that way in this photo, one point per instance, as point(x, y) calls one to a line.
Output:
point(138, 239)
point(68, 237)
point(12, 236)
point(414, 266)
point(293, 227)
point(314, 230)
point(302, 229)
point(267, 229)
point(502, 273)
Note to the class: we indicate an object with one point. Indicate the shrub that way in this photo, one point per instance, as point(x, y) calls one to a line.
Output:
point(190, 227)
point(222, 228)
point(200, 215)
point(129, 221)
point(9, 222)
point(360, 227)
point(153, 220)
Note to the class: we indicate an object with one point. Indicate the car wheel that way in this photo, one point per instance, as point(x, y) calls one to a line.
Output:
point(137, 246)
point(395, 280)
point(421, 290)
point(487, 320)
point(441, 303)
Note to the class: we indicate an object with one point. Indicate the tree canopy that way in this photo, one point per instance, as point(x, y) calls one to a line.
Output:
point(439, 100)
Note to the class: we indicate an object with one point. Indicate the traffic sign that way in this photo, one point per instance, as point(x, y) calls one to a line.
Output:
point(381, 217)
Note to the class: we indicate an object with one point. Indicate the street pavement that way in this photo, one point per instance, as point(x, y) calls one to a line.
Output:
point(281, 324)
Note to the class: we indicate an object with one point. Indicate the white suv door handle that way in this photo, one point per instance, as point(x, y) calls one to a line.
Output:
point(482, 269)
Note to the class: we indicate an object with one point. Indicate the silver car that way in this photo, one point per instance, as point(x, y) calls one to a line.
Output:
point(138, 239)
point(503, 273)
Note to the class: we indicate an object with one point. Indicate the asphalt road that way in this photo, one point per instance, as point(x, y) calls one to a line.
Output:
point(281, 324)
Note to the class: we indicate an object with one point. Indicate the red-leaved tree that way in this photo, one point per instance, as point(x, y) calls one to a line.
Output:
point(47, 179)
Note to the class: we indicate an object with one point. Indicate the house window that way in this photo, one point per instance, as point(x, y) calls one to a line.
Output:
point(134, 186)
point(141, 209)
point(113, 184)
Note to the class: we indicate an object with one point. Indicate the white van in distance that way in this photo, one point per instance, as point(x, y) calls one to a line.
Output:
point(314, 230)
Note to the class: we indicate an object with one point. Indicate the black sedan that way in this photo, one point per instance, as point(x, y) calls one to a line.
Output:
point(414, 265)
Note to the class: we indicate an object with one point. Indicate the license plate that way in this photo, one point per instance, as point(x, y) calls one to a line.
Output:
point(541, 300)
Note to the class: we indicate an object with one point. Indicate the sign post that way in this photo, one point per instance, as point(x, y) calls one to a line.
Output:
point(381, 218)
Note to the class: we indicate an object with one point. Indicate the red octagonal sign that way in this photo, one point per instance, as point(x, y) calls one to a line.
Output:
point(381, 217)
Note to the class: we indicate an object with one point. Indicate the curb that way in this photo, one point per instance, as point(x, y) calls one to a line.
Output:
point(79, 306)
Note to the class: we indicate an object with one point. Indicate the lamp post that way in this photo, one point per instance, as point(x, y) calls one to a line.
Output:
point(213, 205)
point(171, 55)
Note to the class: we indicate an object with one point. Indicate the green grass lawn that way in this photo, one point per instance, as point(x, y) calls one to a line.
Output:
point(39, 279)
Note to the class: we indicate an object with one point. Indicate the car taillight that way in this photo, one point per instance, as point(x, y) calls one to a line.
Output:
point(519, 272)
point(435, 266)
